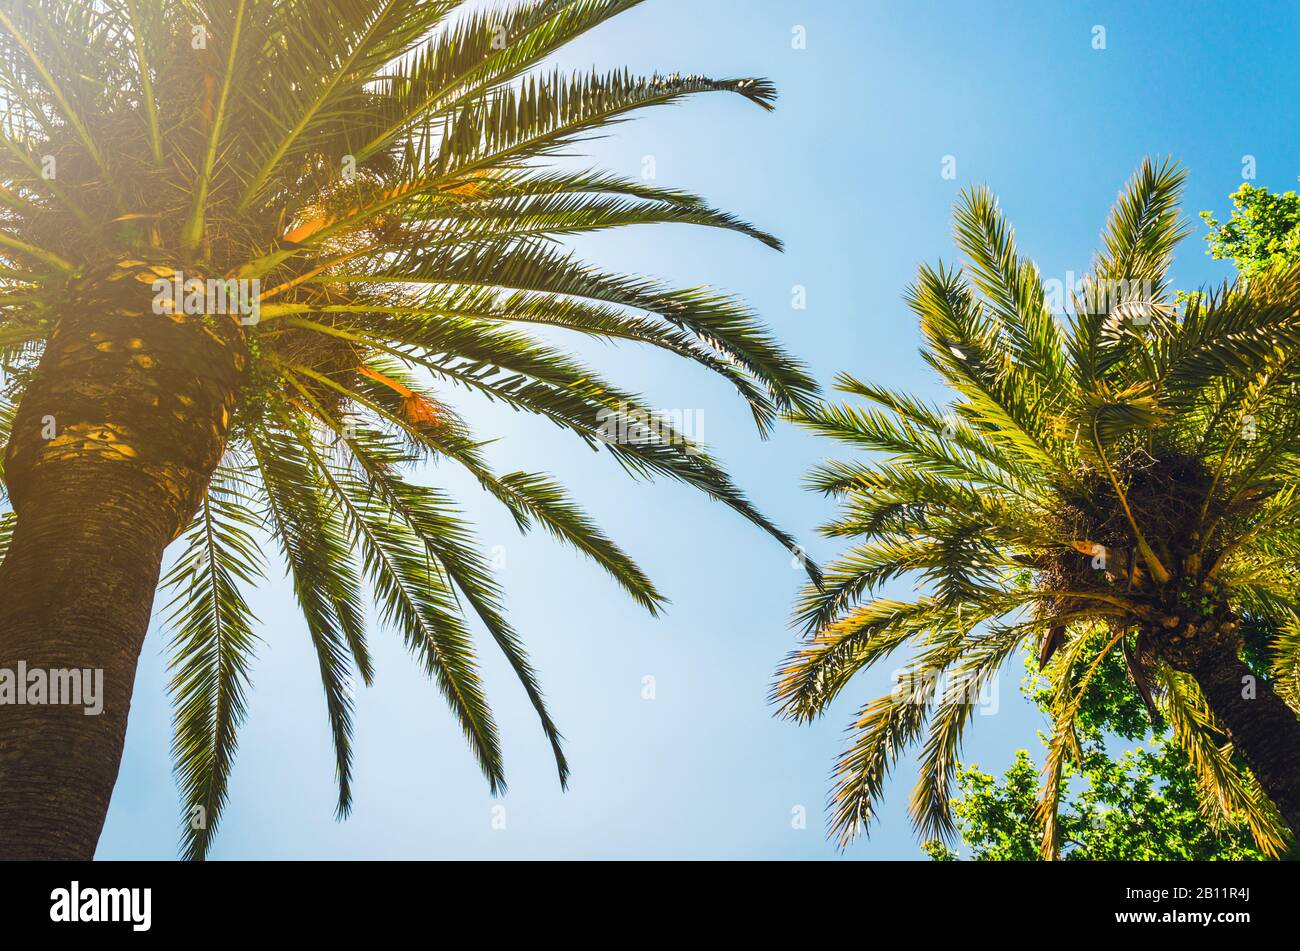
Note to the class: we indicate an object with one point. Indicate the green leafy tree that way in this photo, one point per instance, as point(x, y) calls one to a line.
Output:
point(1129, 468)
point(1263, 232)
point(372, 181)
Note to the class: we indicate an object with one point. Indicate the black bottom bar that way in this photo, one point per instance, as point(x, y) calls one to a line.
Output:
point(331, 900)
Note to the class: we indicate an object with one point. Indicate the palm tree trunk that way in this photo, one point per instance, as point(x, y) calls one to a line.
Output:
point(112, 448)
point(77, 587)
point(1263, 729)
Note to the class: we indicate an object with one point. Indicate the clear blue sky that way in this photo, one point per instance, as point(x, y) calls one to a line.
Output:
point(848, 172)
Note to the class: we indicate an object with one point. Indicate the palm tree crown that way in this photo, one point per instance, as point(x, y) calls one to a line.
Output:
point(1121, 478)
point(376, 171)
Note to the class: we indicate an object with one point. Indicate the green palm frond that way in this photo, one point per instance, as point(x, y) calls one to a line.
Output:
point(417, 597)
point(1227, 792)
point(317, 546)
point(542, 499)
point(1012, 287)
point(1138, 244)
point(212, 645)
point(1286, 658)
point(471, 56)
point(883, 730)
point(930, 807)
point(1064, 742)
point(450, 544)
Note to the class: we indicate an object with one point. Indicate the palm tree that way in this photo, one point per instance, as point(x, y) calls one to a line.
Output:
point(368, 182)
point(1123, 480)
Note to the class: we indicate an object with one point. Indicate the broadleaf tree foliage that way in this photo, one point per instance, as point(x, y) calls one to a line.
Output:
point(1119, 478)
point(1263, 230)
point(383, 175)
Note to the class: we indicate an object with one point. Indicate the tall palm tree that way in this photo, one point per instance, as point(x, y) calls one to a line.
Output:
point(1124, 479)
point(368, 181)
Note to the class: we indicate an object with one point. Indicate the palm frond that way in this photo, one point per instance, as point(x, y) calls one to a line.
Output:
point(212, 646)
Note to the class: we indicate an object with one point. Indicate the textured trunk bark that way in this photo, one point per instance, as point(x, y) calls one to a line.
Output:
point(112, 447)
point(1263, 730)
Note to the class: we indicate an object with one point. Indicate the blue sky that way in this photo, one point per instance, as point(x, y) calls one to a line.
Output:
point(848, 172)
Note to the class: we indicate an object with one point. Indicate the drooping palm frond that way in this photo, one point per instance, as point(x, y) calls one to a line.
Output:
point(381, 174)
point(317, 548)
point(212, 644)
point(1118, 476)
point(1226, 789)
